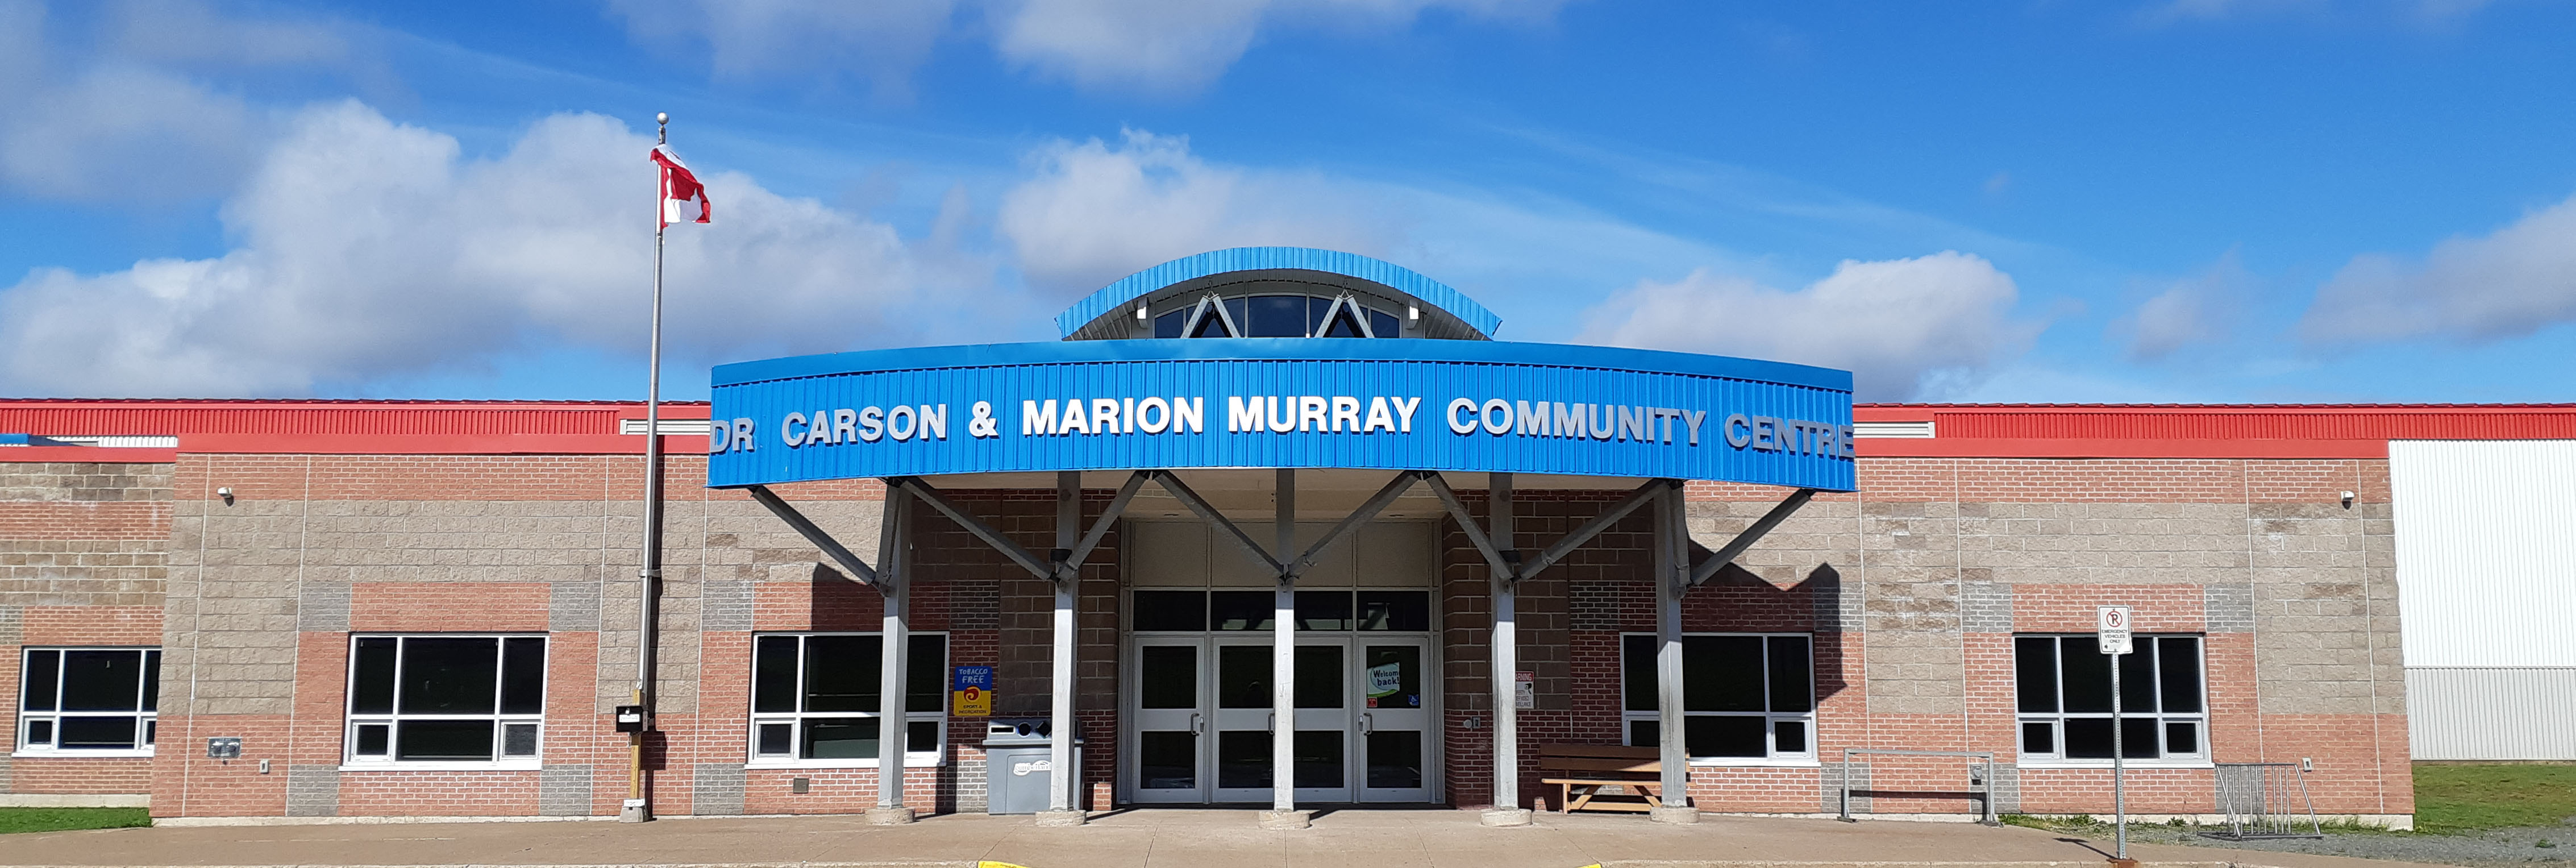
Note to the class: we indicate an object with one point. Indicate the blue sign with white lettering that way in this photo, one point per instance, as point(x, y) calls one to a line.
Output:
point(1480, 406)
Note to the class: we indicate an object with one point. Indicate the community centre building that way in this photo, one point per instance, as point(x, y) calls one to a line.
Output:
point(1279, 528)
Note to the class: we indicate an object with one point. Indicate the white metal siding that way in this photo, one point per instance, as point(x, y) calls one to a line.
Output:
point(2502, 713)
point(2486, 551)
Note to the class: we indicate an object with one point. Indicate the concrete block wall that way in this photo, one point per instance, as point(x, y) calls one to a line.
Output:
point(83, 561)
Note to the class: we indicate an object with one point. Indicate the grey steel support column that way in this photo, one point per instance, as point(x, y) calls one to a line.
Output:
point(1063, 774)
point(1283, 667)
point(1502, 588)
point(1670, 561)
point(894, 570)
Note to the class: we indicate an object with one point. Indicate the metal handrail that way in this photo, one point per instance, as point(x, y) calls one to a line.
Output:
point(1989, 779)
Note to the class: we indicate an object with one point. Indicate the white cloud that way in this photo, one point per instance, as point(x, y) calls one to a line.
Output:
point(370, 249)
point(1905, 328)
point(879, 40)
point(122, 123)
point(2516, 281)
point(1179, 46)
point(128, 133)
point(1153, 46)
point(2427, 11)
point(2185, 312)
point(189, 31)
point(1093, 212)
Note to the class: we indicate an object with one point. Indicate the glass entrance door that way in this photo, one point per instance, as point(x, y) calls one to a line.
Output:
point(1395, 726)
point(1245, 724)
point(1170, 720)
point(1199, 724)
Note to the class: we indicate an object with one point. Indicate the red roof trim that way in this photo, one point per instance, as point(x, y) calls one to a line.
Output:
point(435, 444)
point(1969, 447)
point(85, 454)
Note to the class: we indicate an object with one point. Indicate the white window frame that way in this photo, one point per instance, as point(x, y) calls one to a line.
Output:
point(1771, 719)
point(936, 756)
point(352, 720)
point(146, 719)
point(2056, 757)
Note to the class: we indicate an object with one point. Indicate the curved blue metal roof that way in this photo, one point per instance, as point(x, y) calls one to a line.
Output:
point(1140, 284)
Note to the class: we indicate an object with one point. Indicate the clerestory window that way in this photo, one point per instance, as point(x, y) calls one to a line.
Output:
point(1277, 316)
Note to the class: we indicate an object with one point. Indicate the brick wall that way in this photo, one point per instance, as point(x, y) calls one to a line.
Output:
point(1912, 588)
point(1915, 586)
point(83, 561)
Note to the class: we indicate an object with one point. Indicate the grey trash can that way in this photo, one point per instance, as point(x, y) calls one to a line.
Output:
point(1018, 766)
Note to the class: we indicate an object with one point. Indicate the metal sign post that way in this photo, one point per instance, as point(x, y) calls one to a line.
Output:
point(2111, 633)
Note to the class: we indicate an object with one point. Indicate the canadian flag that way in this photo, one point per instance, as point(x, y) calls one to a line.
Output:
point(679, 185)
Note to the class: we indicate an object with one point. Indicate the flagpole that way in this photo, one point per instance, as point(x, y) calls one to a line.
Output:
point(649, 576)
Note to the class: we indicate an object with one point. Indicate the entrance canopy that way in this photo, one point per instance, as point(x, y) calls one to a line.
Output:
point(1281, 360)
point(1483, 406)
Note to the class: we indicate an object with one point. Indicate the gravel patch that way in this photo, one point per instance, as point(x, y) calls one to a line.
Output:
point(2492, 848)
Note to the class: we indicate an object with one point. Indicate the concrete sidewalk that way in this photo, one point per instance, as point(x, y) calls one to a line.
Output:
point(1161, 838)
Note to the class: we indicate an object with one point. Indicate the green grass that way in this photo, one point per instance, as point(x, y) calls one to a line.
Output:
point(2463, 798)
point(66, 819)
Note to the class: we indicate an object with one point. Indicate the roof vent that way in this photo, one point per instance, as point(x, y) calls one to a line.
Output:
point(1917, 430)
point(670, 427)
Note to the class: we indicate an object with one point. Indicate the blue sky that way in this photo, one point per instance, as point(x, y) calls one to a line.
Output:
point(2204, 200)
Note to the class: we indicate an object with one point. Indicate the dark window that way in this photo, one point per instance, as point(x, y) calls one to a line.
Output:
point(43, 683)
point(1638, 676)
point(1319, 676)
point(1324, 610)
point(443, 740)
point(2063, 690)
point(1344, 324)
point(2177, 673)
point(1242, 610)
point(1792, 674)
point(1384, 325)
point(447, 676)
point(2035, 673)
point(1743, 696)
point(1722, 673)
point(87, 699)
point(819, 694)
point(773, 676)
point(1211, 326)
point(1170, 676)
point(523, 676)
point(1169, 325)
point(445, 698)
point(1243, 676)
point(1275, 316)
point(1171, 610)
point(1395, 611)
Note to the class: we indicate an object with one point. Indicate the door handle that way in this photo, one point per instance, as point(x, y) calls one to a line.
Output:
point(1195, 723)
point(1368, 723)
point(1272, 727)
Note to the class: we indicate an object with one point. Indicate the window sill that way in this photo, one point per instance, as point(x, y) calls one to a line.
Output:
point(145, 753)
point(1754, 762)
point(516, 765)
point(910, 762)
point(2105, 765)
